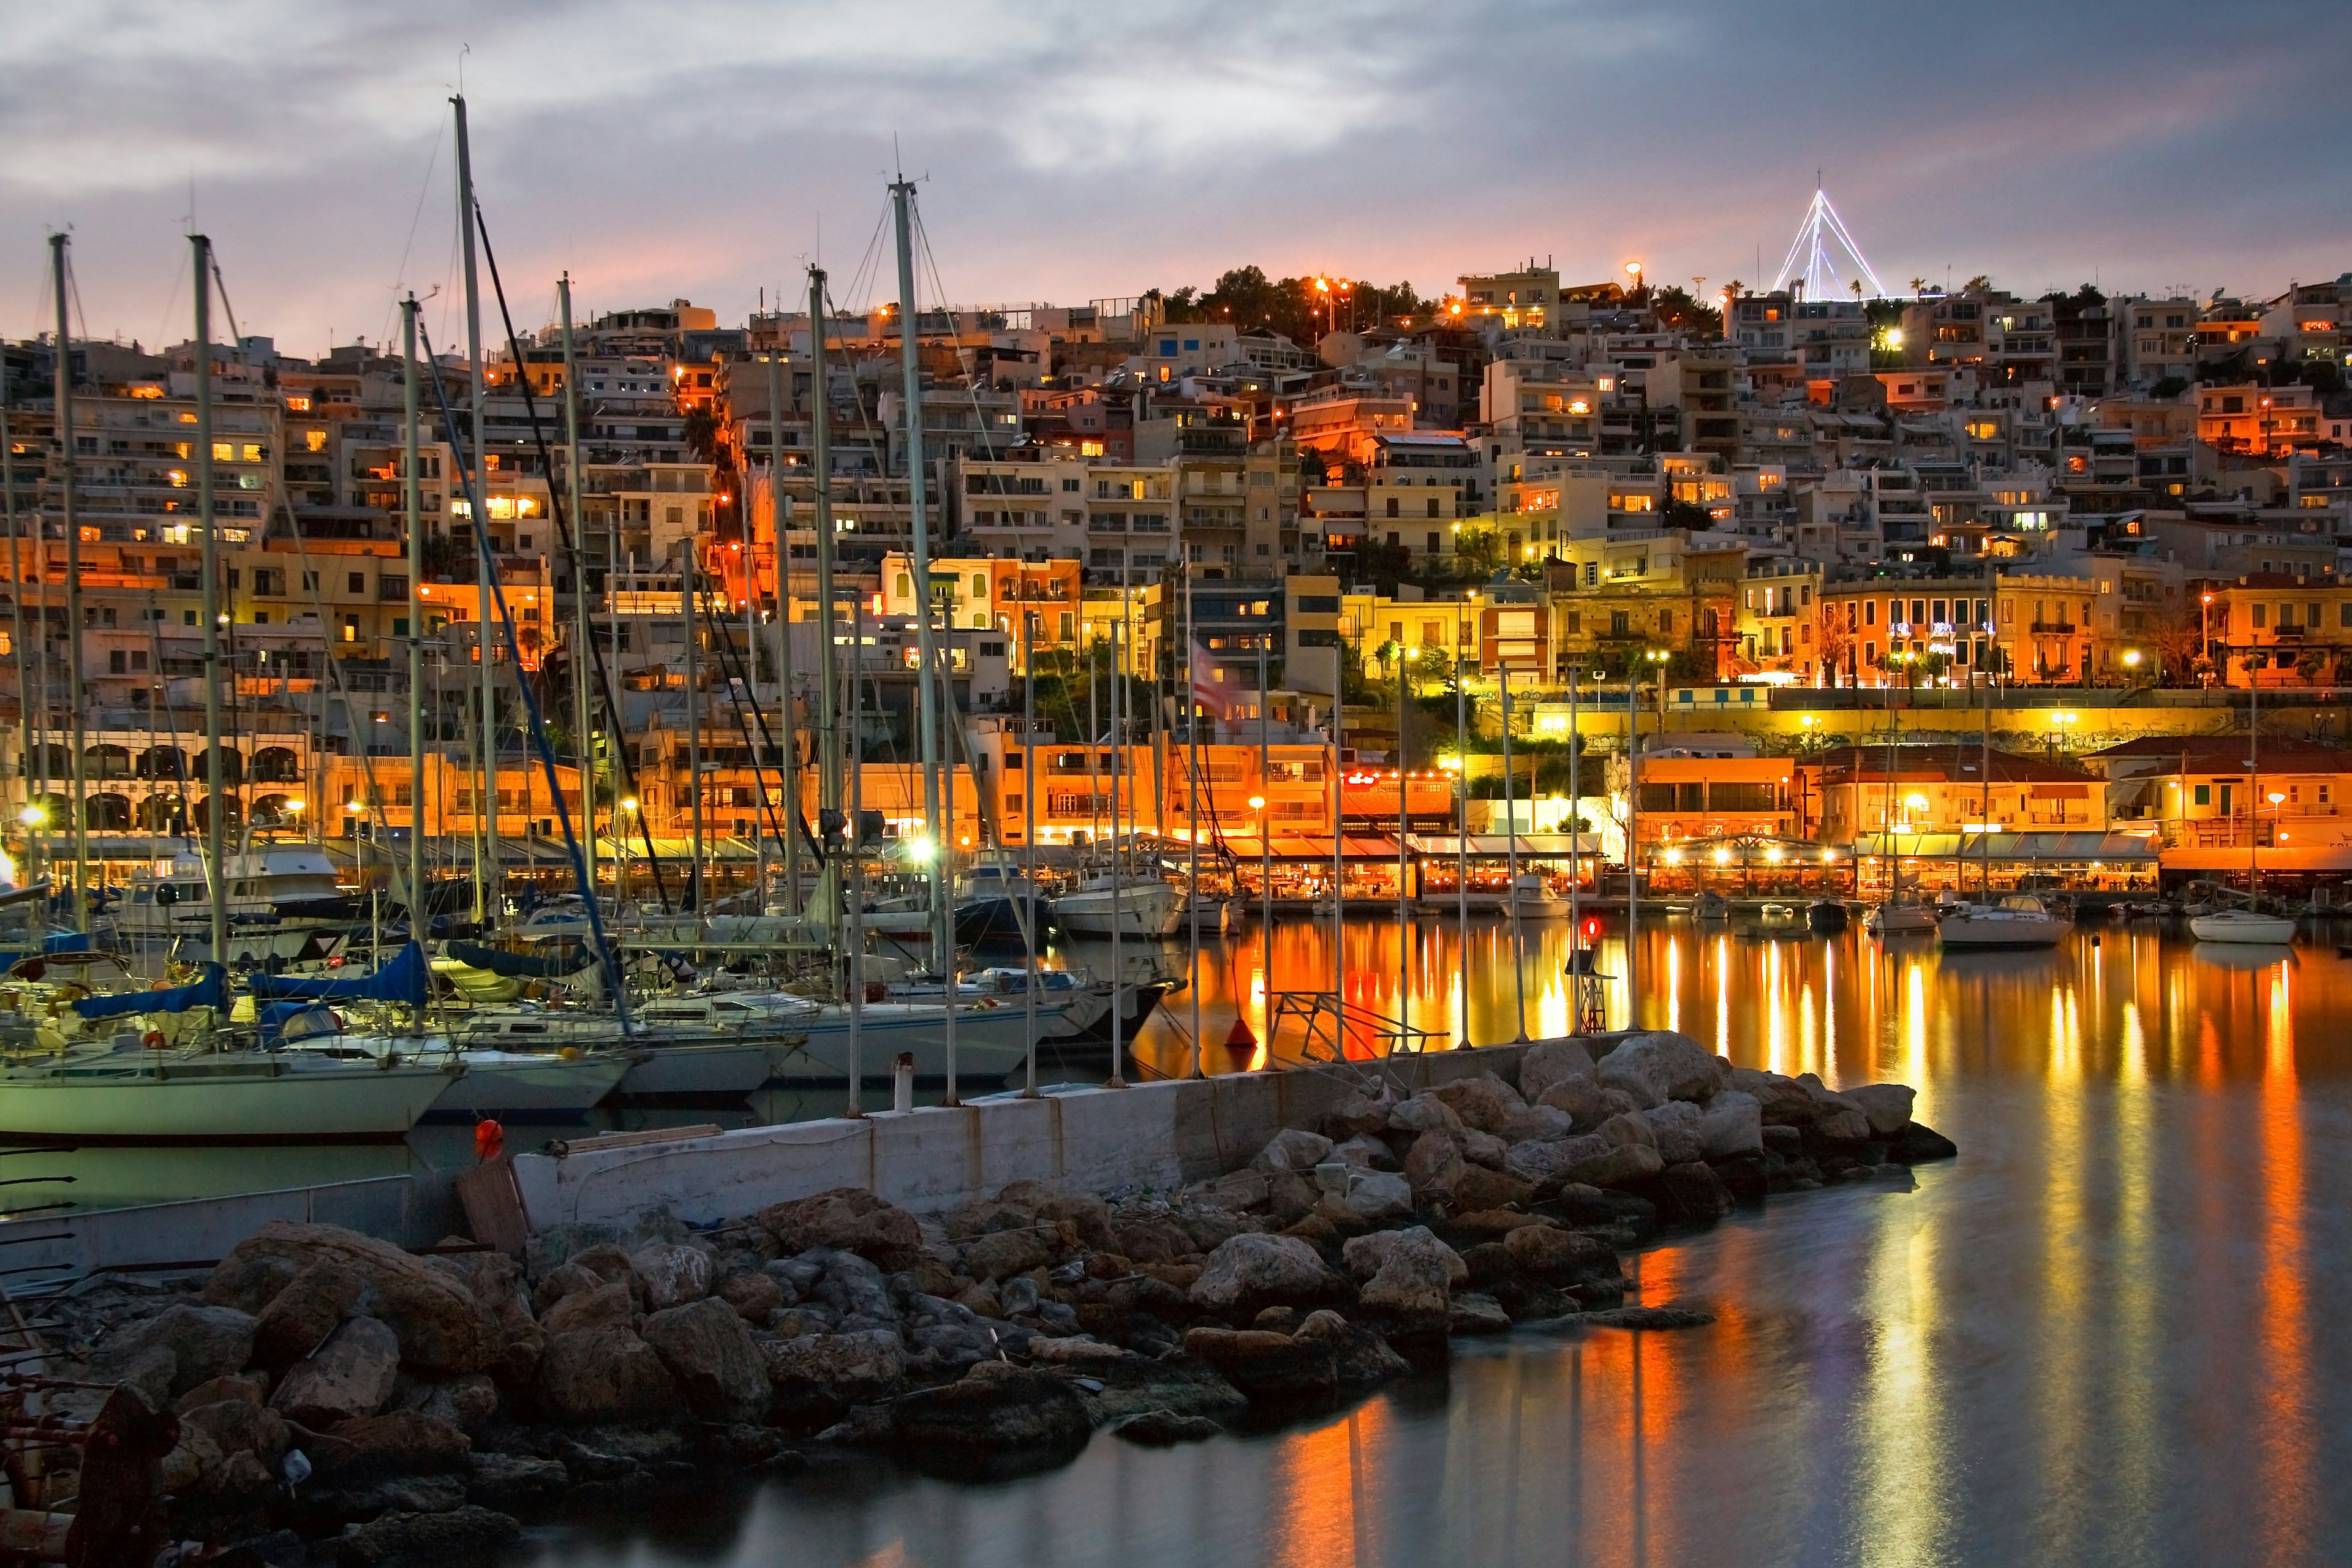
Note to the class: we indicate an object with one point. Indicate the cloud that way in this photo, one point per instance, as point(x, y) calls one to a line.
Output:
point(1073, 150)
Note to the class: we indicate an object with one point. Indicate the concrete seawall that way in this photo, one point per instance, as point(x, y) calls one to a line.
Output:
point(1079, 1140)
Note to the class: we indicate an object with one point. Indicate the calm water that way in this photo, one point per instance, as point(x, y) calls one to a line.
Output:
point(2099, 1337)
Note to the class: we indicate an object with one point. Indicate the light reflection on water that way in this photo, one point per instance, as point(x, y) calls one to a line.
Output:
point(2095, 1337)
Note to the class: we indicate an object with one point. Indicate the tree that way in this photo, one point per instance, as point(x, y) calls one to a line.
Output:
point(1678, 307)
point(1918, 288)
point(1980, 284)
point(1830, 633)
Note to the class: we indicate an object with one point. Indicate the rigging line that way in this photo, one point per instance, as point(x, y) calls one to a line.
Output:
point(972, 383)
point(432, 162)
point(723, 644)
point(171, 300)
point(571, 541)
point(73, 287)
point(235, 334)
point(489, 568)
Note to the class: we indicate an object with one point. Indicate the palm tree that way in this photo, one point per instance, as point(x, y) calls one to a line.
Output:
point(1919, 286)
point(1856, 287)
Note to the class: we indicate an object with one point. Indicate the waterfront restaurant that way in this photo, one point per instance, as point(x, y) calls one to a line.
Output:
point(1968, 863)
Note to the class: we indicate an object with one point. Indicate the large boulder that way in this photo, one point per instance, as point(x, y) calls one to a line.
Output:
point(206, 1342)
point(1695, 1193)
point(352, 1375)
point(674, 1274)
point(1551, 1062)
point(602, 1307)
point(1376, 1197)
point(1355, 1116)
point(605, 1376)
point(1360, 1356)
point(849, 1218)
point(1366, 1153)
point(1479, 1188)
point(753, 1296)
point(1537, 1122)
point(1411, 1279)
point(712, 1358)
point(609, 1262)
point(498, 1285)
point(1293, 1149)
point(300, 1317)
point(1586, 1101)
point(1617, 1165)
point(1663, 1065)
point(1545, 1162)
point(1675, 1131)
point(1732, 1126)
point(1367, 1256)
point(993, 1408)
point(462, 1534)
point(818, 1376)
point(1422, 1113)
point(1885, 1106)
point(1837, 1118)
point(1631, 1127)
point(1434, 1163)
point(1782, 1101)
point(1560, 1257)
point(1265, 1365)
point(1483, 1149)
point(1484, 1103)
point(443, 1331)
point(1003, 1253)
point(397, 1443)
point(1249, 1272)
point(241, 1425)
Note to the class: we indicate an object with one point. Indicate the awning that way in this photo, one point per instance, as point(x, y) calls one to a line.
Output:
point(2057, 846)
point(1498, 846)
point(1312, 849)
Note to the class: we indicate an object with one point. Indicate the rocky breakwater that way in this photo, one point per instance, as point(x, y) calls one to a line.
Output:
point(339, 1400)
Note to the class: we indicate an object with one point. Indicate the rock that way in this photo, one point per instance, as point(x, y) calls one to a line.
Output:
point(300, 1317)
point(1783, 1101)
point(1366, 1153)
point(352, 1375)
point(820, 1376)
point(754, 1297)
point(1089, 1216)
point(673, 1274)
point(1552, 1062)
point(993, 1407)
point(1536, 1122)
point(1162, 1429)
point(206, 1342)
point(237, 1425)
point(1544, 1163)
point(1018, 1297)
point(1003, 1253)
point(1414, 1274)
point(1560, 1257)
point(1355, 1116)
point(1484, 1103)
point(1628, 1129)
point(247, 1388)
point(1732, 1126)
point(1242, 1190)
point(511, 1482)
point(1847, 1127)
point(981, 1299)
point(1483, 1149)
point(1480, 1188)
point(1885, 1106)
point(151, 1369)
point(465, 1403)
point(498, 1287)
point(1919, 1144)
point(850, 1219)
point(428, 1540)
point(1584, 1101)
point(1662, 1065)
point(1628, 1164)
point(602, 1376)
point(397, 1443)
point(1268, 1365)
point(1784, 1140)
point(1292, 1150)
point(1472, 1312)
point(565, 1279)
point(712, 1358)
point(1360, 1356)
point(1493, 1223)
point(1647, 1318)
point(1674, 1130)
point(969, 1220)
point(247, 1283)
point(1248, 1272)
point(442, 1329)
point(1695, 1192)
point(1377, 1197)
point(1434, 1163)
point(605, 1306)
point(1367, 1256)
point(1422, 1113)
point(1074, 1351)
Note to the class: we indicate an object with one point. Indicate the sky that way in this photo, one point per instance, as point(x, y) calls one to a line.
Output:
point(1072, 151)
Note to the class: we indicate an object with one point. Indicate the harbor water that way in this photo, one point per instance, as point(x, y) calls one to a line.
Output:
point(2100, 1336)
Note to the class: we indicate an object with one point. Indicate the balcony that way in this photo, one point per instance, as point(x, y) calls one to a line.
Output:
point(2052, 628)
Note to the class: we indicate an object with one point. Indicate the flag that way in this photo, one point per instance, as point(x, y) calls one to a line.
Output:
point(1208, 689)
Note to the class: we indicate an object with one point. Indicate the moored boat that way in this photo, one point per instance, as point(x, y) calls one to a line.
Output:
point(2016, 921)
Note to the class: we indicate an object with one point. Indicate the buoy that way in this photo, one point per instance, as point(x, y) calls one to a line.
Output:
point(489, 1140)
point(153, 1039)
point(1240, 1038)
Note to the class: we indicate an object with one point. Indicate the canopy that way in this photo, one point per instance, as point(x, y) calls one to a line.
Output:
point(212, 991)
point(402, 980)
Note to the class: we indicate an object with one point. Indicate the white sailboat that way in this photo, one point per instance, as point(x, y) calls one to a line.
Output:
point(1124, 904)
point(2017, 920)
point(140, 1096)
point(2250, 923)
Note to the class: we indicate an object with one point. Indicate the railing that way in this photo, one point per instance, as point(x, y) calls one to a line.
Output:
point(1328, 1025)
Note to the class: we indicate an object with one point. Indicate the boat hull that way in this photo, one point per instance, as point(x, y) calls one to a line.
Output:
point(1987, 936)
point(2268, 931)
point(520, 1086)
point(1149, 913)
point(158, 1103)
point(991, 1042)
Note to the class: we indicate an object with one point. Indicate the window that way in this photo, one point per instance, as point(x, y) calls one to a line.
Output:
point(355, 582)
point(1869, 612)
point(979, 585)
point(2204, 795)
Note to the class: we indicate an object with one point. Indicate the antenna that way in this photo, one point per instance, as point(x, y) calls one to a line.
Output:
point(1810, 258)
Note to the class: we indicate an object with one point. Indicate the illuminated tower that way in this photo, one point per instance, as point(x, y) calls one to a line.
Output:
point(1812, 262)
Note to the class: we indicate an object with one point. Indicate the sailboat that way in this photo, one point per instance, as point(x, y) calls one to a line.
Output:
point(1896, 914)
point(2249, 923)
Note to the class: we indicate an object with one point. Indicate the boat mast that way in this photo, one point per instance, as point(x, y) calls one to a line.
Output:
point(1025, 907)
point(1511, 854)
point(1117, 876)
point(828, 719)
point(689, 571)
point(1575, 817)
point(583, 657)
point(902, 197)
point(57, 243)
point(216, 868)
point(856, 888)
point(1193, 806)
point(1461, 823)
point(486, 790)
point(1405, 903)
point(26, 728)
point(1264, 850)
point(2255, 781)
point(419, 916)
point(788, 770)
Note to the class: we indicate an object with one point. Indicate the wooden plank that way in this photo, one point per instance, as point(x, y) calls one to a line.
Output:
point(493, 1208)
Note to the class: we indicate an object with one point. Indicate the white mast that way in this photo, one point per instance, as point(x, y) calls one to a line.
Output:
point(216, 868)
point(74, 702)
point(584, 653)
point(419, 920)
point(902, 197)
point(486, 790)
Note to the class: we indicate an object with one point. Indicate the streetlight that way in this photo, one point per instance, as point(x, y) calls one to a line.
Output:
point(2205, 632)
point(1633, 269)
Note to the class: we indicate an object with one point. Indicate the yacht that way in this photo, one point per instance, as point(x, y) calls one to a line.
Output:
point(275, 885)
point(1899, 917)
point(1129, 905)
point(2243, 926)
point(2018, 919)
point(135, 1093)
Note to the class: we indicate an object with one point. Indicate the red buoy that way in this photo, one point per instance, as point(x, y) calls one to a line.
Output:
point(489, 1140)
point(1241, 1039)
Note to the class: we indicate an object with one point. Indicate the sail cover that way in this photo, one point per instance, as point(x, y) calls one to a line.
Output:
point(402, 980)
point(212, 991)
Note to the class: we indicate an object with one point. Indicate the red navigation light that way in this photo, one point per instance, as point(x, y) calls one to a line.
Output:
point(1591, 927)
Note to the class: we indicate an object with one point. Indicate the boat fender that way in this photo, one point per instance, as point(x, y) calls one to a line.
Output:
point(489, 1140)
point(153, 1039)
point(568, 1053)
point(875, 991)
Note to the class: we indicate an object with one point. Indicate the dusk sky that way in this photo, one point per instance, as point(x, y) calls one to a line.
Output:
point(1074, 151)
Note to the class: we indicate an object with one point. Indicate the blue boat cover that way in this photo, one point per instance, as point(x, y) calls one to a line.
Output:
point(212, 991)
point(516, 965)
point(66, 941)
point(402, 980)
